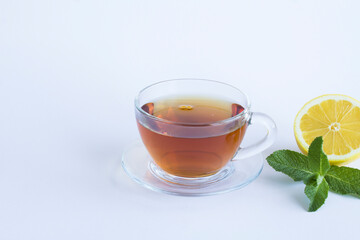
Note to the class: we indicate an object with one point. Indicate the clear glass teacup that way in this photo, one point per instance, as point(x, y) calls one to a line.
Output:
point(193, 129)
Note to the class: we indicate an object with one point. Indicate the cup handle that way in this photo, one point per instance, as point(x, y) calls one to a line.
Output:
point(262, 144)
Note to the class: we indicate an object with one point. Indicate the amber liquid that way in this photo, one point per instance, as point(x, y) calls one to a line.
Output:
point(193, 154)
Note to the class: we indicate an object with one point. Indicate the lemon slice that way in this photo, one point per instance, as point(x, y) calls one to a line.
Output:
point(337, 119)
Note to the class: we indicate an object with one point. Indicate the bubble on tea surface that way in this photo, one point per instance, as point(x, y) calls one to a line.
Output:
point(185, 107)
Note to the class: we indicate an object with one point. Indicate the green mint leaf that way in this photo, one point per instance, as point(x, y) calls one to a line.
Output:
point(316, 172)
point(344, 180)
point(293, 164)
point(317, 192)
point(318, 160)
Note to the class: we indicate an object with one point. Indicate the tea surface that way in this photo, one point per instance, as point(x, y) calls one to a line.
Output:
point(193, 110)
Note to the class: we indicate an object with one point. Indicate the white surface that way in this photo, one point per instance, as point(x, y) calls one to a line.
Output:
point(69, 71)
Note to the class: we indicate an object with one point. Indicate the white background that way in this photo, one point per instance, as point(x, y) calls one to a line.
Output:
point(69, 71)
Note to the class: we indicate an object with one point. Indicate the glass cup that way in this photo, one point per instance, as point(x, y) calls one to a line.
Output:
point(198, 151)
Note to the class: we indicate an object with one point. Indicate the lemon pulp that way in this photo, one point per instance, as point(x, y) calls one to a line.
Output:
point(337, 119)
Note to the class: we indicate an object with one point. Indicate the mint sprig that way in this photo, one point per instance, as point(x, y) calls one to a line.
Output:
point(315, 171)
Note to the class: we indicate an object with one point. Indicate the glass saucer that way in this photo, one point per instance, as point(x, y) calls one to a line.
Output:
point(139, 166)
